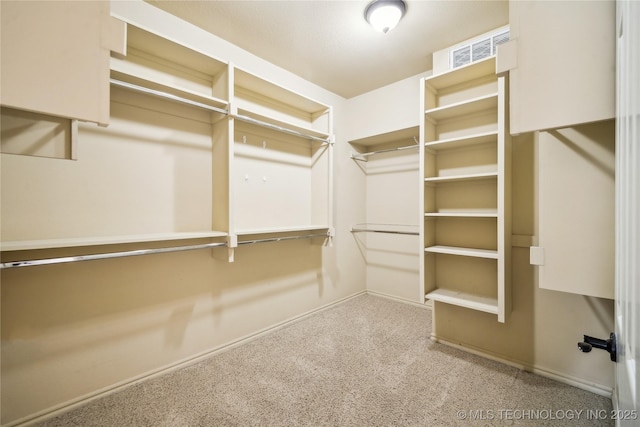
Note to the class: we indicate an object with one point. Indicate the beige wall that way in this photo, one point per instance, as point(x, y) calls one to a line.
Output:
point(70, 331)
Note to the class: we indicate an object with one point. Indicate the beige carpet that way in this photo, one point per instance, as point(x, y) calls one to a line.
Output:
point(365, 362)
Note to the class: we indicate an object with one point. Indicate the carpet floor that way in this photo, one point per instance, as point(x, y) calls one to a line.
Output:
point(366, 362)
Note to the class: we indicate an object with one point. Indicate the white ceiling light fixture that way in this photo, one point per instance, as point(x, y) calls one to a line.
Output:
point(384, 15)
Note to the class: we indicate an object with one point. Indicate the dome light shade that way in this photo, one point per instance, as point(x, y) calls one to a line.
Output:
point(384, 15)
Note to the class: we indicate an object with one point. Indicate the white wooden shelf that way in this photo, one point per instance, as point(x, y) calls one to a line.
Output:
point(262, 100)
point(470, 252)
point(447, 112)
point(105, 240)
point(463, 141)
point(467, 214)
point(462, 74)
point(465, 177)
point(463, 299)
point(160, 64)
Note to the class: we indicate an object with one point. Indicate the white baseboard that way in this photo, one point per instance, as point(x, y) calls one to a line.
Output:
point(428, 304)
point(539, 370)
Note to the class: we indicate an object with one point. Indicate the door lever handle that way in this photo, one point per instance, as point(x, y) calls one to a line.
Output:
point(609, 345)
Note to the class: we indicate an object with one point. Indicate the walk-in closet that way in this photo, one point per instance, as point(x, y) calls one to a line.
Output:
point(234, 213)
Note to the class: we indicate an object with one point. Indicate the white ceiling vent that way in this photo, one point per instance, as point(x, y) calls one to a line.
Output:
point(478, 49)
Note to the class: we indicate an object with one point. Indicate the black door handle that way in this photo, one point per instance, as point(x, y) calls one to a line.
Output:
point(609, 345)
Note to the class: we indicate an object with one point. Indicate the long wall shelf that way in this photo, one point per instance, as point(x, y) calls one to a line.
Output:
point(105, 240)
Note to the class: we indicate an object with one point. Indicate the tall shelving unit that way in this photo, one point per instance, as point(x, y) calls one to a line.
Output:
point(465, 198)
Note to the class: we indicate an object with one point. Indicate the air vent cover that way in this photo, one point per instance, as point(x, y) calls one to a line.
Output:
point(477, 50)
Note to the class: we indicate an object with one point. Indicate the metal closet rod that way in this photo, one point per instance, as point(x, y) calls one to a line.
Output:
point(368, 230)
point(187, 101)
point(62, 260)
point(278, 128)
point(166, 95)
point(279, 239)
point(370, 153)
point(92, 257)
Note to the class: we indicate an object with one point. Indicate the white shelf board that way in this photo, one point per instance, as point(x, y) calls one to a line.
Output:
point(173, 52)
point(470, 252)
point(273, 230)
point(458, 214)
point(258, 85)
point(463, 299)
point(466, 73)
point(474, 105)
point(463, 141)
point(22, 245)
point(406, 134)
point(466, 177)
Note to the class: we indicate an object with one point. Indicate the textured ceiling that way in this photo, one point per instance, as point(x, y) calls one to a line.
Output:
point(329, 42)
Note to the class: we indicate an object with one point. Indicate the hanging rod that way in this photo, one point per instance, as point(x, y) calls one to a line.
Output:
point(279, 128)
point(370, 230)
point(166, 95)
point(279, 239)
point(62, 260)
point(355, 156)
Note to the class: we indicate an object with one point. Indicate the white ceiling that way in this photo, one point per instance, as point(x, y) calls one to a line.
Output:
point(329, 42)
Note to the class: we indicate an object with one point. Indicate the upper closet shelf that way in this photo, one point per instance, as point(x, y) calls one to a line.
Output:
point(481, 103)
point(177, 71)
point(462, 75)
point(268, 104)
point(105, 240)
